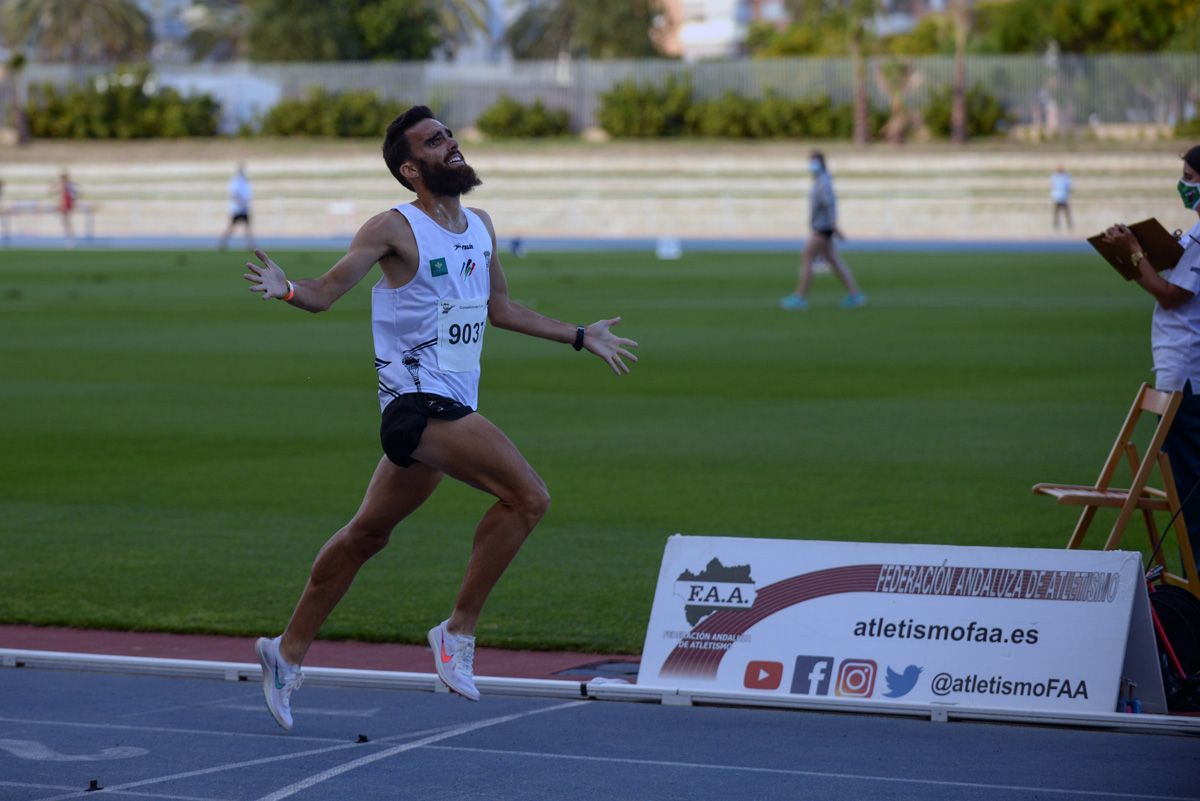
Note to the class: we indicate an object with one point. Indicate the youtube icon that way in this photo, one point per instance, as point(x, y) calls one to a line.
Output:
point(763, 675)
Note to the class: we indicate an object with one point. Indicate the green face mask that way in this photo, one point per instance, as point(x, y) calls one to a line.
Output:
point(1190, 192)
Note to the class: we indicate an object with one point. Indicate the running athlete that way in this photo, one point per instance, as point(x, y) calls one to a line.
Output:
point(442, 286)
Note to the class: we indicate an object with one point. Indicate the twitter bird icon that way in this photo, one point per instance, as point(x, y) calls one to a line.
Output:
point(901, 684)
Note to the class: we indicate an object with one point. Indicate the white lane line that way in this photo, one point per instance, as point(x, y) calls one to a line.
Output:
point(813, 773)
point(249, 763)
point(40, 752)
point(162, 729)
point(466, 728)
point(35, 786)
point(295, 755)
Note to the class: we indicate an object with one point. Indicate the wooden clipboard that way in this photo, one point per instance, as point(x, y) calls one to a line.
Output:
point(1159, 245)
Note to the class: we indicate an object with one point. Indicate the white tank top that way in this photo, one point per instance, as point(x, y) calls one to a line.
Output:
point(429, 332)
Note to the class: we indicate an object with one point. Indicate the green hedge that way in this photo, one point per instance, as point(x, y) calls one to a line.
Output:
point(629, 109)
point(1188, 128)
point(671, 109)
point(123, 105)
point(986, 115)
point(509, 118)
point(323, 113)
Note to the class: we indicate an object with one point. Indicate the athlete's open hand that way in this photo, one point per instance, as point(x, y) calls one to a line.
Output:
point(600, 340)
point(268, 279)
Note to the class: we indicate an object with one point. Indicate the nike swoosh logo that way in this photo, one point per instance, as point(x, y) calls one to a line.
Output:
point(445, 657)
point(278, 683)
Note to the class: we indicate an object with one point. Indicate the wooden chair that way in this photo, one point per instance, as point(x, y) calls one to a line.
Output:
point(1139, 496)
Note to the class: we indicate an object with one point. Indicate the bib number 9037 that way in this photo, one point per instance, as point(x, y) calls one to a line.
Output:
point(465, 334)
point(461, 324)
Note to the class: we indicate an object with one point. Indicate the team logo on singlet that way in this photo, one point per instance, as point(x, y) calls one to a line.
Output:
point(467, 268)
point(437, 267)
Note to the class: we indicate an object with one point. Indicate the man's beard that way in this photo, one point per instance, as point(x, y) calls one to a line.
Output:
point(449, 181)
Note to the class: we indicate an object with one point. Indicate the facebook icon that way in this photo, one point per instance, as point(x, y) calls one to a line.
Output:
point(812, 675)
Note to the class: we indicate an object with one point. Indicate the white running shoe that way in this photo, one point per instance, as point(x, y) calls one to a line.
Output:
point(454, 658)
point(280, 680)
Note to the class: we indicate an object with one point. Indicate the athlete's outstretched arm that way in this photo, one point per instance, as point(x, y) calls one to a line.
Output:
point(504, 312)
point(370, 244)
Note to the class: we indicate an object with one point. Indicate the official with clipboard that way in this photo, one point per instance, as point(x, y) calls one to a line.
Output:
point(1170, 271)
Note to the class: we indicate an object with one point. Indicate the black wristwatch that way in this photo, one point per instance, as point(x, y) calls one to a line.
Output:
point(578, 344)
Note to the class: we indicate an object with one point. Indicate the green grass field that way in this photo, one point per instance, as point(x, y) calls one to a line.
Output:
point(173, 451)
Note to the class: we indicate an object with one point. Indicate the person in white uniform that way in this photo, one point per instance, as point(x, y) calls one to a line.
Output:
point(1175, 341)
point(442, 286)
point(240, 195)
point(1060, 195)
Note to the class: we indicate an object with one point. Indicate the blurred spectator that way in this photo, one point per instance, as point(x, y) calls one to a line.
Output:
point(1060, 195)
point(68, 199)
point(240, 195)
point(823, 229)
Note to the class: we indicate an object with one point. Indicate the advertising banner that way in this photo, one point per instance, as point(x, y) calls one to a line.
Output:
point(1009, 628)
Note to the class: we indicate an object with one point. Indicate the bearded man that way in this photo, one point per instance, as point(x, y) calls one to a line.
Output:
point(441, 287)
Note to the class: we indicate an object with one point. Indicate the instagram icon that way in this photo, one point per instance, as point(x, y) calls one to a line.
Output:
point(856, 678)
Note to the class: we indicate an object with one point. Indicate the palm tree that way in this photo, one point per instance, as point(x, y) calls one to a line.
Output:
point(857, 18)
point(459, 19)
point(557, 28)
point(960, 12)
point(12, 74)
point(217, 29)
point(80, 31)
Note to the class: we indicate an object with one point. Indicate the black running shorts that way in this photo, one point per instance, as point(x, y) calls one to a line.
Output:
point(404, 422)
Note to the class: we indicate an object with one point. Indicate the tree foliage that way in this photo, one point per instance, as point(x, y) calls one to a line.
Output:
point(342, 30)
point(616, 29)
point(458, 21)
point(217, 29)
point(80, 31)
point(998, 26)
point(1086, 26)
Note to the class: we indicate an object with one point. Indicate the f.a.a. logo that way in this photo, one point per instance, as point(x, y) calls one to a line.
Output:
point(437, 267)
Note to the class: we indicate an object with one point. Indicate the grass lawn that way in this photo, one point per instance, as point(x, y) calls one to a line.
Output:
point(173, 452)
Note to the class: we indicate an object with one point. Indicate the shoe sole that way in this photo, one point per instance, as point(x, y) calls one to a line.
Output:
point(435, 647)
point(268, 672)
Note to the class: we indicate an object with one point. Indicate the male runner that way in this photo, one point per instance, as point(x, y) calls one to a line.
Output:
point(442, 285)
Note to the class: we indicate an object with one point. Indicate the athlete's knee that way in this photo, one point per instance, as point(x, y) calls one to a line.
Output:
point(531, 503)
point(367, 537)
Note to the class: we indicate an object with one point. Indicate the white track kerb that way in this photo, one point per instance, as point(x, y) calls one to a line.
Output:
point(593, 690)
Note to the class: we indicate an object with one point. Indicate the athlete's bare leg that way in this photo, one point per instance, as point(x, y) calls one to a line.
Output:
point(475, 451)
point(393, 494)
point(839, 267)
point(804, 282)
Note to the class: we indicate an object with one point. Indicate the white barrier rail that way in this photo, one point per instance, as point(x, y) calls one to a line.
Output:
point(600, 690)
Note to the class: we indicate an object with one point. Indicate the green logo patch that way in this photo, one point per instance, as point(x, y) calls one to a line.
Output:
point(437, 267)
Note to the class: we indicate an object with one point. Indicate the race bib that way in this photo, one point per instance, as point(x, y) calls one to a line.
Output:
point(461, 323)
